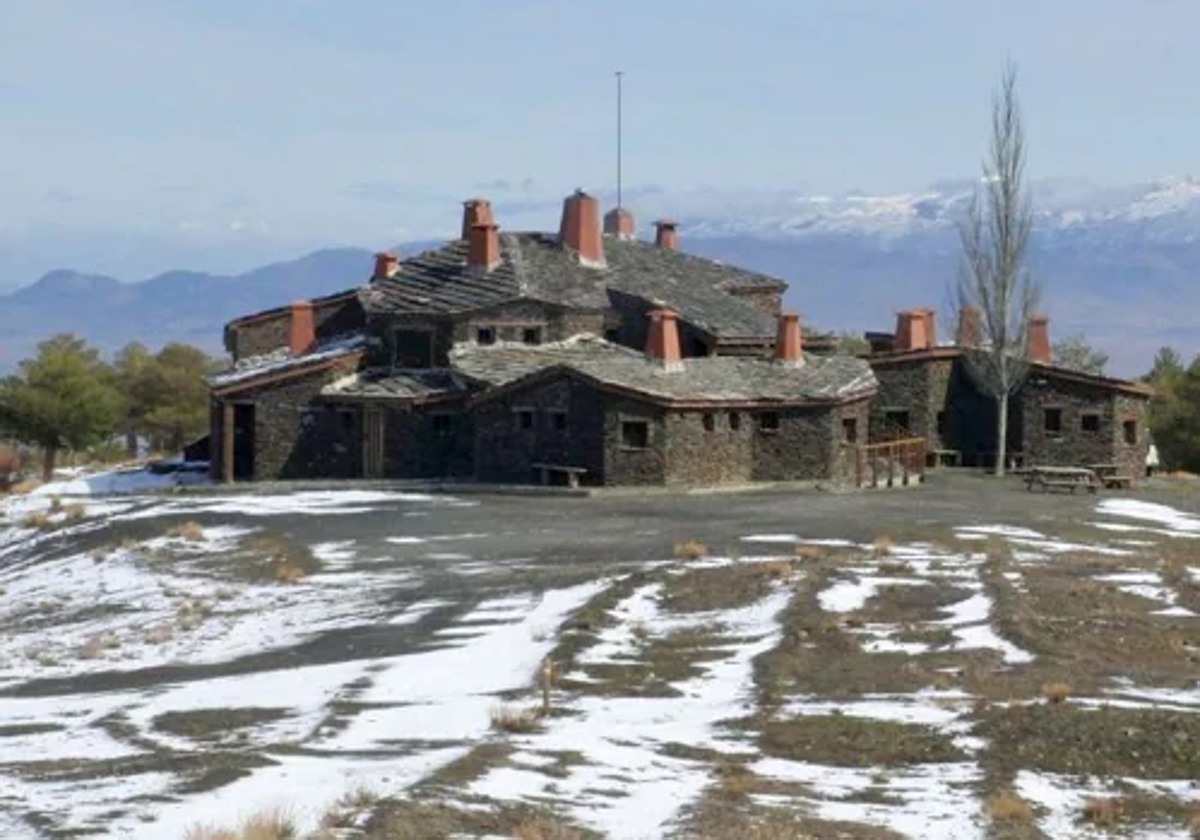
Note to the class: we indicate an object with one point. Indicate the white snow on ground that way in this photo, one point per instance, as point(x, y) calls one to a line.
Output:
point(945, 711)
point(621, 737)
point(1152, 587)
point(970, 621)
point(923, 801)
point(1063, 799)
point(1174, 520)
point(312, 502)
point(850, 595)
point(121, 482)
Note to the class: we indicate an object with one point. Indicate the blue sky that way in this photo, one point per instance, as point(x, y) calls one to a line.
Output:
point(228, 130)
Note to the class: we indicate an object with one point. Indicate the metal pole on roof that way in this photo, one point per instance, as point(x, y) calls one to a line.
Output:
point(620, 75)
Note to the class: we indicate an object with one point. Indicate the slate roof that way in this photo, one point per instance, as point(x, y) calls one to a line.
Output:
point(697, 380)
point(278, 361)
point(416, 384)
point(535, 265)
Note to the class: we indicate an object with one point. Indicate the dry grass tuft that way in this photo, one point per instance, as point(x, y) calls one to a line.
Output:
point(188, 531)
point(1008, 806)
point(285, 571)
point(1194, 824)
point(895, 567)
point(75, 511)
point(883, 546)
point(544, 828)
point(158, 635)
point(774, 568)
point(38, 520)
point(1103, 812)
point(95, 646)
point(1056, 692)
point(736, 779)
point(56, 504)
point(516, 721)
point(811, 552)
point(25, 487)
point(345, 812)
point(691, 550)
point(267, 825)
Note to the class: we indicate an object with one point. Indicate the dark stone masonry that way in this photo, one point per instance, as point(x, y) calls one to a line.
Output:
point(600, 359)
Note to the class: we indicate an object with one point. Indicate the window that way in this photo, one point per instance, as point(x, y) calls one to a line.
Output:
point(442, 424)
point(345, 421)
point(485, 335)
point(1052, 421)
point(850, 429)
point(532, 335)
point(1131, 432)
point(558, 420)
point(612, 334)
point(941, 424)
point(524, 418)
point(635, 434)
point(899, 421)
point(768, 422)
point(413, 349)
point(735, 421)
point(710, 422)
point(1089, 423)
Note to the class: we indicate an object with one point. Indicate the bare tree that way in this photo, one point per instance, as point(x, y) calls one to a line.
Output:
point(994, 278)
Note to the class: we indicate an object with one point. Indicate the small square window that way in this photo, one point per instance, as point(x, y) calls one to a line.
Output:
point(735, 421)
point(1089, 423)
point(531, 335)
point(442, 424)
point(558, 419)
point(768, 421)
point(635, 434)
point(710, 422)
point(524, 418)
point(612, 334)
point(1052, 419)
point(486, 335)
point(850, 429)
point(1131, 432)
point(898, 421)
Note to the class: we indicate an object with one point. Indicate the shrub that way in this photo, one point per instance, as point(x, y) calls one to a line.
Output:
point(883, 546)
point(544, 828)
point(691, 550)
point(1102, 812)
point(344, 812)
point(158, 635)
point(285, 571)
point(811, 552)
point(189, 531)
point(1056, 692)
point(1007, 806)
point(267, 825)
point(516, 721)
point(774, 568)
point(39, 520)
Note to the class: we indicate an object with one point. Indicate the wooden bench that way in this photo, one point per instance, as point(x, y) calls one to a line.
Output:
point(1111, 476)
point(945, 458)
point(1065, 478)
point(572, 473)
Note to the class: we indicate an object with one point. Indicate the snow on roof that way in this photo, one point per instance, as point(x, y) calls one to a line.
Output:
point(283, 359)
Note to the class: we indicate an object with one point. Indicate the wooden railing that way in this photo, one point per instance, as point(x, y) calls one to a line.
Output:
point(891, 463)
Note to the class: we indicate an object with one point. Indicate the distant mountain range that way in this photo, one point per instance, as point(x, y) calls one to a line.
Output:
point(1119, 264)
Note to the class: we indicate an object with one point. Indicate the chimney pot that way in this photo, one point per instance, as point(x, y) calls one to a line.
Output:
point(666, 235)
point(476, 211)
point(930, 327)
point(1038, 340)
point(303, 329)
point(619, 223)
point(662, 343)
point(483, 251)
point(912, 331)
point(387, 265)
point(580, 229)
point(970, 327)
point(789, 347)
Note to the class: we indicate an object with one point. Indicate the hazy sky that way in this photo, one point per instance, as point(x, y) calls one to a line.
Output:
point(367, 121)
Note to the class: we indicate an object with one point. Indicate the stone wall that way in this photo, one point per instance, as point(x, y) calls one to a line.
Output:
point(1075, 444)
point(630, 328)
point(711, 454)
point(555, 422)
point(337, 316)
point(916, 386)
point(630, 466)
point(844, 458)
point(510, 320)
point(428, 443)
point(262, 335)
point(382, 329)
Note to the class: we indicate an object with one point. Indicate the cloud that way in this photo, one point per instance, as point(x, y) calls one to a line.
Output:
point(525, 186)
point(61, 197)
point(381, 192)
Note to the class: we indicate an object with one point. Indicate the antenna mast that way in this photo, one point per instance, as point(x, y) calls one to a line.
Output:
point(620, 75)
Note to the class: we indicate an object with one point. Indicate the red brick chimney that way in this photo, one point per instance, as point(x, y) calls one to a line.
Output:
point(970, 327)
point(476, 211)
point(912, 331)
point(483, 250)
point(303, 329)
point(662, 343)
point(387, 265)
point(619, 223)
point(1039, 340)
point(930, 327)
point(789, 347)
point(580, 229)
point(665, 234)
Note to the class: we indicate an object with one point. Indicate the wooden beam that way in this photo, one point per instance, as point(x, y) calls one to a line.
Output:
point(227, 440)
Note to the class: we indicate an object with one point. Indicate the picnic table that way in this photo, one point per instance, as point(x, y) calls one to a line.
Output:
point(1110, 476)
point(1064, 478)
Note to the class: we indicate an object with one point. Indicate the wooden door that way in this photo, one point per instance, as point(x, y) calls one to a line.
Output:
point(372, 443)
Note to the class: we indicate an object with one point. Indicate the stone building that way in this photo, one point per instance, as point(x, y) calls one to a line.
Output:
point(586, 355)
point(1057, 416)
